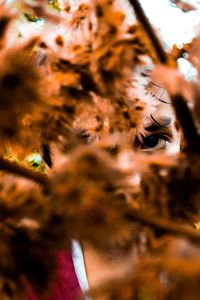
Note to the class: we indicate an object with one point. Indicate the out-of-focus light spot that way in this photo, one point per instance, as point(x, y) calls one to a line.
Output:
point(185, 55)
point(40, 22)
point(34, 158)
point(187, 69)
point(197, 226)
point(179, 46)
point(175, 26)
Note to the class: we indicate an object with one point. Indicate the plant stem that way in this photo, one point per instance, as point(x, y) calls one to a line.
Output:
point(16, 169)
point(162, 56)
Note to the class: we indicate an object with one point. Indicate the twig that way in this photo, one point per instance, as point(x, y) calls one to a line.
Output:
point(16, 169)
point(162, 56)
point(163, 224)
point(185, 119)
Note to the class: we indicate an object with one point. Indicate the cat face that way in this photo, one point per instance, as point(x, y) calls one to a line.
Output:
point(156, 129)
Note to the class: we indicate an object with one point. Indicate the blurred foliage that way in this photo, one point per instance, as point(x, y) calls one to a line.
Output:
point(87, 86)
point(54, 4)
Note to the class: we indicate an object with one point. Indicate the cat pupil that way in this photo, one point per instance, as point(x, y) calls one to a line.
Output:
point(150, 141)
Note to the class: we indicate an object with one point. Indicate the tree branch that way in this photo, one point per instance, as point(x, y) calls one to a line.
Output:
point(185, 119)
point(16, 169)
point(162, 56)
point(136, 215)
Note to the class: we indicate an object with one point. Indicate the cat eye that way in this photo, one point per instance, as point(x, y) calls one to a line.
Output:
point(154, 142)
